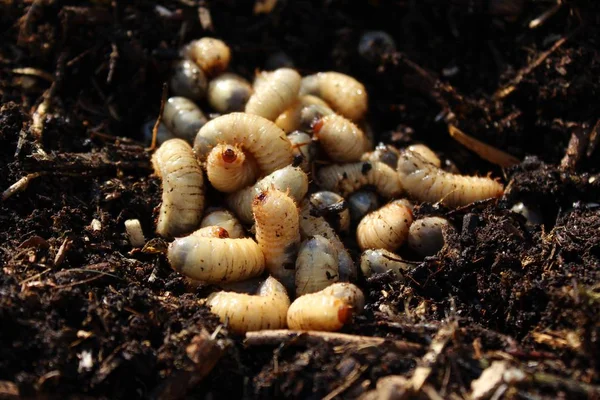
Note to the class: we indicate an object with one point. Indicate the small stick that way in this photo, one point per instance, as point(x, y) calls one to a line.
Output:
point(20, 185)
point(277, 336)
point(159, 119)
point(482, 149)
point(575, 149)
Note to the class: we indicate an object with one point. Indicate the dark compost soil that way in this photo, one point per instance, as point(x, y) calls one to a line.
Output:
point(81, 314)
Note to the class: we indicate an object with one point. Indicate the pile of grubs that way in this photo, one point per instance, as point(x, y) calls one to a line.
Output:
point(296, 166)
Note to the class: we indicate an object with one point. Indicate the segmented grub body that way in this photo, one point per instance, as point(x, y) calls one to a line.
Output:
point(426, 235)
point(224, 219)
point(229, 169)
point(229, 92)
point(385, 228)
point(210, 54)
point(274, 92)
point(188, 80)
point(316, 265)
point(348, 178)
point(302, 113)
point(183, 188)
point(340, 138)
point(377, 261)
point(183, 118)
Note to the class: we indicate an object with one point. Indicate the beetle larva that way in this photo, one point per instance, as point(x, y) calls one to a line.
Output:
point(133, 227)
point(292, 178)
point(229, 169)
point(316, 265)
point(333, 207)
point(226, 220)
point(211, 232)
point(188, 80)
point(264, 140)
point(183, 188)
point(243, 312)
point(273, 93)
point(426, 236)
point(425, 152)
point(384, 153)
point(340, 138)
point(326, 310)
point(183, 117)
point(311, 225)
point(210, 54)
point(302, 113)
point(345, 94)
point(427, 183)
point(348, 178)
point(374, 45)
point(277, 233)
point(385, 228)
point(361, 203)
point(229, 92)
point(303, 148)
point(377, 261)
point(215, 260)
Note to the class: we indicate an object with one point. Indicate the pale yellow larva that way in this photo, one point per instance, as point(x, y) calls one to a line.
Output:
point(229, 169)
point(264, 140)
point(274, 92)
point(346, 95)
point(427, 183)
point(228, 92)
point(348, 178)
point(316, 265)
point(244, 313)
point(211, 232)
point(183, 188)
point(226, 220)
point(333, 207)
point(426, 235)
point(277, 233)
point(384, 153)
point(292, 178)
point(385, 228)
point(327, 310)
point(188, 80)
point(302, 113)
point(303, 148)
point(340, 138)
point(313, 225)
point(215, 260)
point(425, 152)
point(377, 261)
point(210, 54)
point(183, 118)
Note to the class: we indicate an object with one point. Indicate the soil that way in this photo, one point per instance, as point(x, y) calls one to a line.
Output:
point(84, 316)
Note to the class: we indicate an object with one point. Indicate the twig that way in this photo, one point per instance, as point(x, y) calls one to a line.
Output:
point(20, 185)
point(483, 150)
point(34, 72)
point(277, 336)
point(349, 381)
point(159, 119)
point(575, 149)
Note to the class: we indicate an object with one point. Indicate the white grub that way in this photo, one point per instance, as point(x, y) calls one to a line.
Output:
point(532, 214)
point(229, 92)
point(340, 138)
point(277, 233)
point(274, 92)
point(242, 313)
point(425, 152)
point(303, 113)
point(210, 54)
point(333, 207)
point(377, 261)
point(215, 260)
point(226, 220)
point(211, 232)
point(316, 265)
point(183, 188)
point(162, 135)
point(292, 178)
point(188, 80)
point(346, 95)
point(427, 183)
point(385, 228)
point(183, 118)
point(385, 153)
point(327, 310)
point(264, 140)
point(133, 227)
point(426, 235)
point(313, 225)
point(361, 203)
point(348, 178)
point(229, 169)
point(303, 149)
